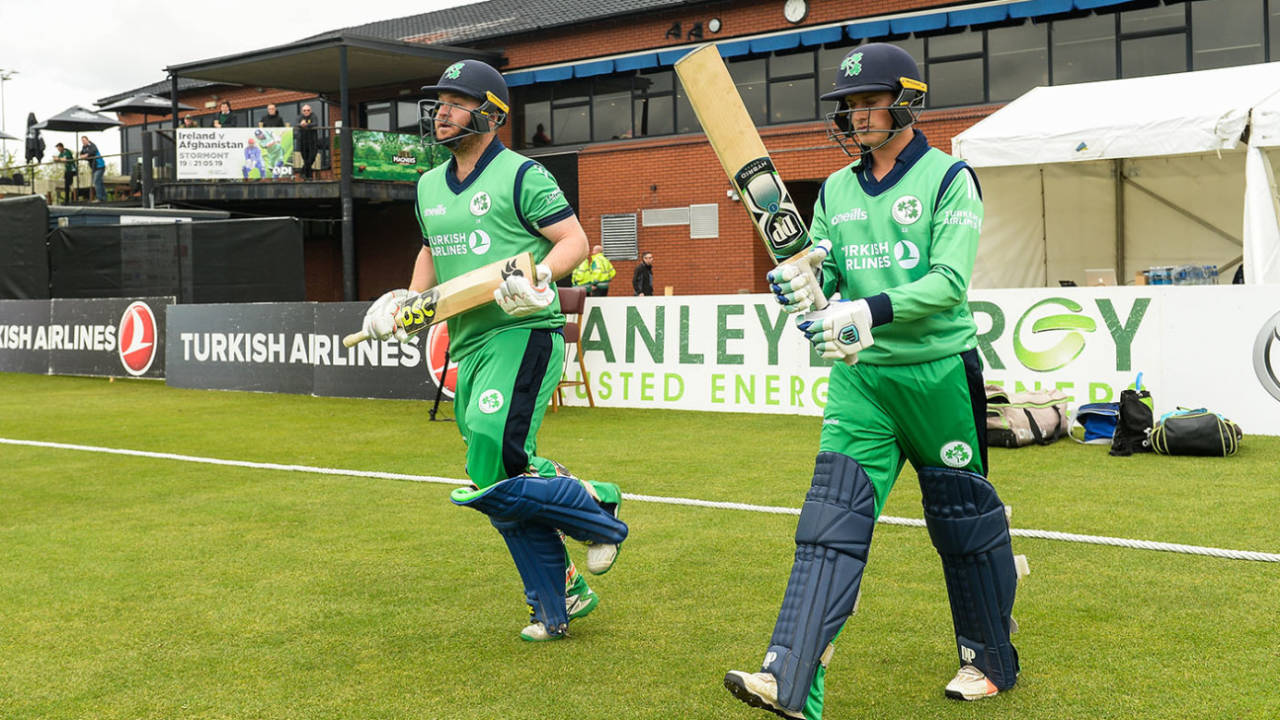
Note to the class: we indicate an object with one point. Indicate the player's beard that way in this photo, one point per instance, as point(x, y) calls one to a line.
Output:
point(464, 143)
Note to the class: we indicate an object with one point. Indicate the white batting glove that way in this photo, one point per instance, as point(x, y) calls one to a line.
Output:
point(381, 320)
point(795, 282)
point(840, 330)
point(517, 297)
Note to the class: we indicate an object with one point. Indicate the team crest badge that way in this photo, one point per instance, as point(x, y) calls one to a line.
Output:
point(480, 203)
point(955, 454)
point(453, 71)
point(907, 209)
point(490, 402)
point(852, 65)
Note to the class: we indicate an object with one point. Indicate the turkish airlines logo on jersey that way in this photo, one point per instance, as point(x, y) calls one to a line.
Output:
point(137, 338)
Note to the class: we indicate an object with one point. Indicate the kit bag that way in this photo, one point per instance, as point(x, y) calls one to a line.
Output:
point(1196, 432)
point(1095, 423)
point(1133, 426)
point(1019, 419)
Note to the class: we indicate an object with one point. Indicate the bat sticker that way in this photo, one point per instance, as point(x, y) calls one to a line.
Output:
point(421, 312)
point(771, 207)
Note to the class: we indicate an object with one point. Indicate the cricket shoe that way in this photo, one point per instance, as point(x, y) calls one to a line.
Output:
point(602, 556)
point(537, 632)
point(580, 600)
point(759, 690)
point(970, 683)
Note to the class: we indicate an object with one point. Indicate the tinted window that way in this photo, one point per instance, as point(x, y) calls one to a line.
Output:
point(1019, 60)
point(1226, 32)
point(1084, 49)
point(1156, 55)
point(749, 76)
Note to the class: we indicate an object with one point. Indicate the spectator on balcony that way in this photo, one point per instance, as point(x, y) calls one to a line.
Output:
point(69, 170)
point(305, 140)
point(224, 118)
point(540, 136)
point(190, 122)
point(89, 152)
point(272, 118)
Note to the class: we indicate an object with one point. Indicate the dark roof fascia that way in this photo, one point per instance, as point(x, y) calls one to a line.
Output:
point(329, 40)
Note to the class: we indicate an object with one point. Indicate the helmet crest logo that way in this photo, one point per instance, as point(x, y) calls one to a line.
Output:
point(852, 65)
point(453, 71)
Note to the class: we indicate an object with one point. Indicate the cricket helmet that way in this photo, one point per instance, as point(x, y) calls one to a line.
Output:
point(878, 67)
point(477, 80)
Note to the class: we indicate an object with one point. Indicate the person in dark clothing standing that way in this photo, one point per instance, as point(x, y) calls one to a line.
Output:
point(97, 166)
point(272, 118)
point(69, 170)
point(642, 280)
point(224, 118)
point(305, 140)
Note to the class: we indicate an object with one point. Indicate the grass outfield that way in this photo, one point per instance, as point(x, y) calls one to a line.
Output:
point(147, 588)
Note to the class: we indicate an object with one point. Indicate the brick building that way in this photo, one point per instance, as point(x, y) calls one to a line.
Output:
point(623, 142)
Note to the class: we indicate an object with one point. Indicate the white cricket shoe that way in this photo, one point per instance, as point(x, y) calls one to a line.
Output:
point(970, 683)
point(759, 690)
point(600, 557)
point(537, 632)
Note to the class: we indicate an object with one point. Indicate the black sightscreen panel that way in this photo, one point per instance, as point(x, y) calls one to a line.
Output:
point(24, 260)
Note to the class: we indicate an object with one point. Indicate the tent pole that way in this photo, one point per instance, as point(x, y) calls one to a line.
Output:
point(1121, 273)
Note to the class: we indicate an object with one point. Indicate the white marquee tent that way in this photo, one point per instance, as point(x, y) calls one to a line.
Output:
point(1130, 174)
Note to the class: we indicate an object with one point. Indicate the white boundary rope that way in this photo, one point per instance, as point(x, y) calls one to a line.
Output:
point(886, 519)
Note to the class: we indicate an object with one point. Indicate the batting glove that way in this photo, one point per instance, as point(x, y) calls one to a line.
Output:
point(840, 330)
point(518, 298)
point(381, 320)
point(795, 283)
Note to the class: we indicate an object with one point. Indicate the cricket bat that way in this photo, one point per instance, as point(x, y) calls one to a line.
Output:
point(453, 297)
point(734, 139)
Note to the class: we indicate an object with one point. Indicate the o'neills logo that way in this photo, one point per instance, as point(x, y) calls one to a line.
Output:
point(437, 348)
point(137, 338)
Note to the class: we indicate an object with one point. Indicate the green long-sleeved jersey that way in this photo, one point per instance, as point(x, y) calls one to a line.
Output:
point(911, 238)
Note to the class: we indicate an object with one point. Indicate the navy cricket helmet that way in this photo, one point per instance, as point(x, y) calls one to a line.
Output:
point(881, 67)
point(478, 80)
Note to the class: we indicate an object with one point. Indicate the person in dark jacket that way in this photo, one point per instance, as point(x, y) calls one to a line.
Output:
point(305, 140)
point(642, 280)
point(98, 166)
point(69, 170)
point(272, 118)
point(224, 118)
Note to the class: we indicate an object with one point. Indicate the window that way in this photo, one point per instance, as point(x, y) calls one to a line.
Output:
point(1084, 49)
point(749, 77)
point(1273, 25)
point(686, 120)
point(375, 115)
point(571, 113)
point(791, 88)
point(1226, 32)
point(537, 116)
point(1017, 60)
point(829, 60)
point(611, 108)
point(955, 68)
point(1153, 41)
point(653, 103)
point(407, 117)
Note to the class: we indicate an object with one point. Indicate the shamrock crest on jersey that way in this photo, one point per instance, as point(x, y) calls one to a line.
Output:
point(480, 203)
point(907, 209)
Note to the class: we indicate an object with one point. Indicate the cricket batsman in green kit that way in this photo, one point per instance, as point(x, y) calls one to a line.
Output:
point(895, 235)
point(488, 203)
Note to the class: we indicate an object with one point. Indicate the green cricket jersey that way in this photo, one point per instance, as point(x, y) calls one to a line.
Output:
point(494, 213)
point(911, 237)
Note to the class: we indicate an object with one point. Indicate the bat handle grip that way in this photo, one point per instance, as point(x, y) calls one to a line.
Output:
point(355, 339)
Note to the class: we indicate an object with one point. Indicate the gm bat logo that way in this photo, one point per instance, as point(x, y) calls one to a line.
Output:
point(510, 269)
point(1266, 355)
point(421, 311)
point(137, 338)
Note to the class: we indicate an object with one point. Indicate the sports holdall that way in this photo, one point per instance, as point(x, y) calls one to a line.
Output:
point(1018, 419)
point(1095, 423)
point(1196, 432)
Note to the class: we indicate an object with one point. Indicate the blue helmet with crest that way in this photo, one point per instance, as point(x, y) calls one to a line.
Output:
point(474, 79)
point(878, 67)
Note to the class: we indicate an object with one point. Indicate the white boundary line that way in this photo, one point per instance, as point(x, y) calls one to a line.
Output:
point(886, 519)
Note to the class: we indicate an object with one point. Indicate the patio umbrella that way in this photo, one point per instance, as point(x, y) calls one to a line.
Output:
point(35, 143)
point(146, 104)
point(6, 136)
point(78, 119)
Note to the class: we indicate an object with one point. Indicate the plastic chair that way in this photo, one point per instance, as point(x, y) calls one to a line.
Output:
point(572, 301)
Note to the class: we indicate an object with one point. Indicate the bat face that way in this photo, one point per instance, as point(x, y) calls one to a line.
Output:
point(776, 217)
